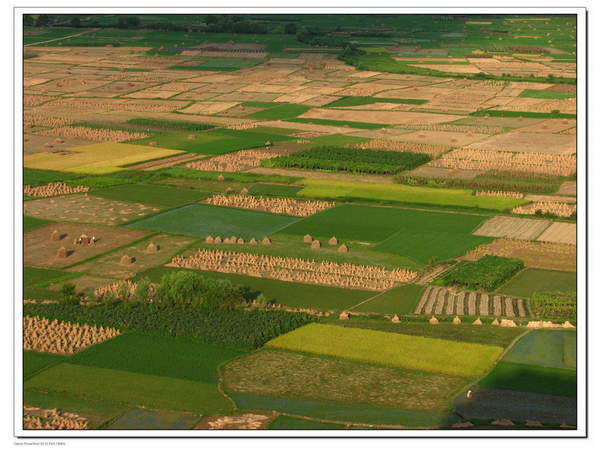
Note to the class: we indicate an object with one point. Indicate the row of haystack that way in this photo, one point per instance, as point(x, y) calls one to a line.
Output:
point(485, 129)
point(53, 189)
point(56, 423)
point(73, 104)
point(92, 134)
point(559, 209)
point(114, 287)
point(59, 337)
point(242, 126)
point(513, 194)
point(34, 100)
point(303, 141)
point(433, 150)
point(234, 240)
point(46, 121)
point(232, 162)
point(273, 205)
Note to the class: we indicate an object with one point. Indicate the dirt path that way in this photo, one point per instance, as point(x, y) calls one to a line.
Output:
point(321, 175)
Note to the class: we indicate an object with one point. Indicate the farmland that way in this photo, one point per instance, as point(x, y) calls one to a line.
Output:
point(287, 221)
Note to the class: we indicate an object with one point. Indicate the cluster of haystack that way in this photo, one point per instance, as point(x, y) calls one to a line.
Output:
point(303, 141)
point(232, 162)
point(53, 189)
point(34, 100)
point(140, 78)
point(73, 104)
point(92, 134)
point(273, 205)
point(295, 269)
point(500, 194)
point(549, 324)
point(242, 126)
point(56, 423)
point(46, 121)
point(358, 91)
point(559, 209)
point(234, 240)
point(43, 335)
point(433, 150)
point(114, 287)
point(485, 160)
point(485, 129)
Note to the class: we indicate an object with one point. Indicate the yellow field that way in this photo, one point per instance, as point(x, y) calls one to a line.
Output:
point(101, 158)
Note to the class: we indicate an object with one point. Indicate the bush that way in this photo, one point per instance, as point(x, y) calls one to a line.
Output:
point(69, 293)
point(488, 273)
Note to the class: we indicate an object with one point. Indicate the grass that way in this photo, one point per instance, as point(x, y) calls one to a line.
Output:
point(34, 177)
point(531, 281)
point(532, 378)
point(114, 386)
point(267, 189)
point(285, 111)
point(288, 294)
point(325, 379)
point(405, 351)
point(376, 224)
point(36, 361)
point(30, 223)
point(540, 94)
point(158, 195)
point(204, 220)
point(399, 301)
point(426, 245)
point(100, 158)
point(251, 135)
point(159, 356)
point(37, 276)
point(139, 419)
point(552, 348)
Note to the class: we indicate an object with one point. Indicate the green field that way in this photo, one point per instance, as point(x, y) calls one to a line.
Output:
point(205, 142)
point(138, 419)
point(204, 220)
point(335, 189)
point(156, 195)
point(36, 276)
point(418, 353)
point(541, 94)
point(104, 385)
point(552, 348)
point(426, 245)
point(36, 361)
point(399, 301)
point(285, 111)
point(35, 177)
point(376, 224)
point(30, 223)
point(268, 189)
point(531, 281)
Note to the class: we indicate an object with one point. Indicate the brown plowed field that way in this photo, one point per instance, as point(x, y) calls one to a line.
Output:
point(560, 232)
point(508, 227)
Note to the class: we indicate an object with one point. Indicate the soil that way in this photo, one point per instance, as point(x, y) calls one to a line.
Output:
point(568, 189)
point(239, 421)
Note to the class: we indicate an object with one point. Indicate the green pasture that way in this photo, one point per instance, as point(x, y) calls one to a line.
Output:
point(418, 353)
point(36, 361)
point(540, 94)
point(158, 356)
point(551, 348)
point(531, 281)
point(205, 143)
point(376, 224)
point(399, 301)
point(34, 177)
point(30, 223)
point(336, 189)
point(156, 195)
point(115, 386)
point(285, 111)
point(37, 276)
point(204, 220)
point(426, 245)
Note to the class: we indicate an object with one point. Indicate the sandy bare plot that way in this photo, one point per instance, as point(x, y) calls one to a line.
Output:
point(546, 198)
point(296, 97)
point(196, 96)
point(33, 143)
point(568, 188)
point(512, 122)
point(166, 162)
point(238, 96)
point(549, 126)
point(392, 134)
point(443, 138)
point(509, 227)
point(87, 209)
point(380, 117)
point(560, 232)
point(542, 105)
point(451, 68)
point(39, 250)
point(319, 101)
point(529, 142)
point(380, 106)
point(329, 129)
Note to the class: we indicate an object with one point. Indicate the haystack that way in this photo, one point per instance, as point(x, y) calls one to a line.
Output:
point(456, 320)
point(333, 241)
point(55, 236)
point(218, 240)
point(233, 239)
point(220, 178)
point(253, 241)
point(495, 322)
point(316, 244)
point(58, 141)
point(244, 191)
point(47, 146)
point(343, 248)
point(568, 325)
point(520, 119)
point(344, 315)
point(226, 241)
point(508, 323)
point(503, 423)
point(126, 260)
point(308, 238)
point(535, 424)
point(478, 322)
point(229, 190)
point(152, 248)
point(266, 241)
point(421, 135)
point(62, 253)
point(453, 139)
point(210, 239)
point(433, 320)
point(191, 137)
point(395, 319)
point(240, 241)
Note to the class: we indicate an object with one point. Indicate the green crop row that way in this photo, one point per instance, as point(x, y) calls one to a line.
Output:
point(169, 125)
point(554, 304)
point(488, 273)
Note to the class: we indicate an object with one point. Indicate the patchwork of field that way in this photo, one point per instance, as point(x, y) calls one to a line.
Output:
point(529, 142)
point(160, 195)
point(442, 301)
point(511, 227)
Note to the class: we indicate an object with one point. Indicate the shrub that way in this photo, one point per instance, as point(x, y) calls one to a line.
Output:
point(488, 273)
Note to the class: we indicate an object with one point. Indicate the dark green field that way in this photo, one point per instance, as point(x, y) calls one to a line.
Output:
point(204, 220)
point(155, 195)
point(36, 361)
point(531, 281)
point(540, 94)
point(552, 348)
point(399, 301)
point(139, 419)
point(30, 223)
point(267, 189)
point(284, 111)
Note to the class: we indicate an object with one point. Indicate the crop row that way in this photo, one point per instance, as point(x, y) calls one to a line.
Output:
point(488, 273)
point(554, 304)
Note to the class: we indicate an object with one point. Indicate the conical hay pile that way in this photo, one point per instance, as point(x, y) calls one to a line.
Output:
point(333, 241)
point(456, 320)
point(55, 236)
point(226, 241)
point(315, 244)
point(308, 239)
point(343, 315)
point(220, 178)
point(126, 260)
point(153, 143)
point(395, 319)
point(495, 322)
point(62, 253)
point(253, 241)
point(191, 137)
point(240, 241)
point(244, 191)
point(210, 239)
point(343, 248)
point(478, 322)
point(266, 241)
point(433, 320)
point(152, 248)
point(218, 240)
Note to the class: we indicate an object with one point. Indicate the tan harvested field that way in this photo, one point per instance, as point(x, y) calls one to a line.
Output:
point(232, 162)
point(560, 232)
point(510, 227)
point(381, 106)
point(550, 198)
point(243, 421)
point(429, 171)
point(238, 96)
point(452, 139)
point(535, 254)
point(33, 143)
point(560, 209)
point(208, 107)
point(86, 209)
point(450, 68)
point(380, 117)
point(319, 101)
point(568, 188)
point(541, 105)
point(239, 111)
point(92, 134)
point(400, 145)
point(84, 283)
point(100, 105)
point(549, 126)
point(40, 250)
point(108, 265)
point(329, 129)
point(529, 142)
point(273, 205)
point(422, 92)
point(511, 122)
point(166, 162)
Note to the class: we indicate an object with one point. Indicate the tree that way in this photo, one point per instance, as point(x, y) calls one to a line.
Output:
point(76, 22)
point(142, 292)
point(180, 287)
point(43, 20)
point(128, 22)
point(28, 20)
point(290, 28)
point(69, 293)
point(211, 19)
